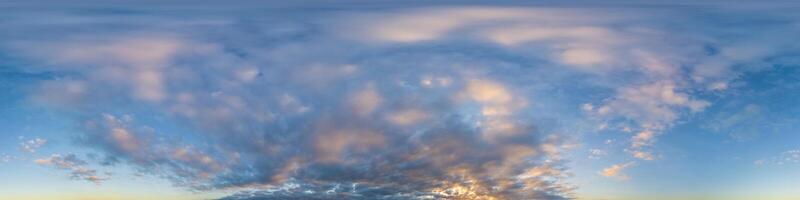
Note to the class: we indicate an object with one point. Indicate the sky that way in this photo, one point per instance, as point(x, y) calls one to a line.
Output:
point(260, 100)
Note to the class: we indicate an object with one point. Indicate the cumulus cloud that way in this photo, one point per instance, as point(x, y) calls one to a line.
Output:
point(653, 105)
point(445, 102)
point(77, 167)
point(669, 69)
point(317, 126)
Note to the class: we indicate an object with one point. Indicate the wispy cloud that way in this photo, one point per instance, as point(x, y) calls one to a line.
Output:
point(30, 146)
point(789, 157)
point(597, 153)
point(615, 171)
point(4, 158)
point(77, 167)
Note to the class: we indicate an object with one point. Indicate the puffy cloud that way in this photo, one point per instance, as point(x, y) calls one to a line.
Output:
point(78, 168)
point(668, 70)
point(653, 108)
point(325, 126)
point(446, 102)
point(32, 145)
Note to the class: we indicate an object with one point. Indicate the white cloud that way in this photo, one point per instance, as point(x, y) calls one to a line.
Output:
point(653, 105)
point(656, 72)
point(444, 86)
point(30, 146)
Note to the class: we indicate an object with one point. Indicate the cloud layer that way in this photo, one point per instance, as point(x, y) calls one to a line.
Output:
point(403, 103)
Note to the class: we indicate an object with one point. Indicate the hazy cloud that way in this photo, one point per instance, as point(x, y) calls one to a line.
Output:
point(784, 158)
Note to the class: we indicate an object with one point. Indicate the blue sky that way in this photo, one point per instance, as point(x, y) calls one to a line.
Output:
point(608, 100)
